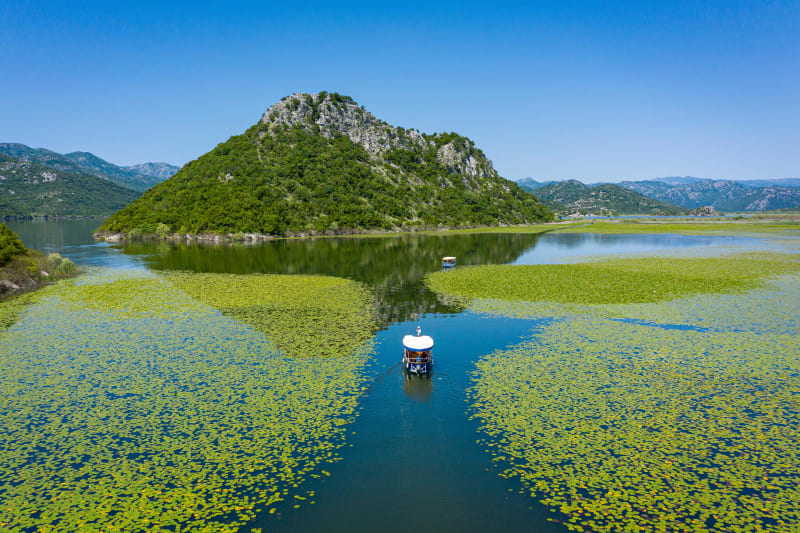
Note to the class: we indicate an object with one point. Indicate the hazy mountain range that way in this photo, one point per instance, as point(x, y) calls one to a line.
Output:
point(139, 177)
point(723, 195)
point(690, 192)
point(29, 189)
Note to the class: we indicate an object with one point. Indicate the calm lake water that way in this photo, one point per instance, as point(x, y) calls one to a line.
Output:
point(412, 460)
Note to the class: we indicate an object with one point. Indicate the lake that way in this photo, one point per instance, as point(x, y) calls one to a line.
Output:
point(411, 454)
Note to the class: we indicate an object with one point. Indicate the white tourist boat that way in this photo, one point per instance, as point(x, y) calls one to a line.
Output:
point(417, 352)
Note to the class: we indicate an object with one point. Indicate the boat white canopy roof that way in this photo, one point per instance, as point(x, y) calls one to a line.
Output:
point(417, 344)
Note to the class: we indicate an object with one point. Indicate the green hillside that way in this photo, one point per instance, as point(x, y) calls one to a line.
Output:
point(322, 164)
point(29, 190)
point(573, 197)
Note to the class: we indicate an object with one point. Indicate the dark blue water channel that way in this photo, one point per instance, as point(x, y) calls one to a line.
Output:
point(412, 461)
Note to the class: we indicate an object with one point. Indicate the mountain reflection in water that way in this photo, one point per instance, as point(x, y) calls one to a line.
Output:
point(394, 267)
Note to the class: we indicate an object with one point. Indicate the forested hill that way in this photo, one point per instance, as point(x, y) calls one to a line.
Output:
point(320, 163)
point(572, 197)
point(28, 189)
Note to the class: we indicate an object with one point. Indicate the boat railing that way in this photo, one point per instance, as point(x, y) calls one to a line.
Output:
point(417, 357)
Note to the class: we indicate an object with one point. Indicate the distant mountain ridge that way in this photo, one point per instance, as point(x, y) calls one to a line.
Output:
point(160, 171)
point(760, 183)
point(321, 163)
point(530, 184)
point(723, 195)
point(139, 177)
point(573, 197)
point(782, 182)
point(691, 192)
point(28, 189)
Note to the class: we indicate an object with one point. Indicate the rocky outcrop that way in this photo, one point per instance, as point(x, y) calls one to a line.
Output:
point(705, 211)
point(330, 114)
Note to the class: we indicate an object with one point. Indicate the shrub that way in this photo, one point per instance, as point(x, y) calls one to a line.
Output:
point(162, 230)
point(65, 268)
point(10, 245)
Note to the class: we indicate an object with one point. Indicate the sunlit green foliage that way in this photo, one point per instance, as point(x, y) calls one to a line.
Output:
point(626, 427)
point(612, 281)
point(304, 316)
point(23, 269)
point(126, 405)
point(283, 181)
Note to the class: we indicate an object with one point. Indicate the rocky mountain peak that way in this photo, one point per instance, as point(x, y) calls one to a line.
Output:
point(331, 115)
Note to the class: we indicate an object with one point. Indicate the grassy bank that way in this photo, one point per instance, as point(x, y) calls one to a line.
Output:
point(715, 226)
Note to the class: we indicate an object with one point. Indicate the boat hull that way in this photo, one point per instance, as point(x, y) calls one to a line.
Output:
point(418, 368)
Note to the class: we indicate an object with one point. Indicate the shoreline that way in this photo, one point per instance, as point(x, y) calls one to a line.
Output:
point(591, 224)
point(254, 238)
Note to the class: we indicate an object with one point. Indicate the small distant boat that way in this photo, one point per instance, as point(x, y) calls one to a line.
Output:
point(417, 352)
point(448, 262)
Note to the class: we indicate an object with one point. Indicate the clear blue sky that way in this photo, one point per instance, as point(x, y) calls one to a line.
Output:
point(587, 90)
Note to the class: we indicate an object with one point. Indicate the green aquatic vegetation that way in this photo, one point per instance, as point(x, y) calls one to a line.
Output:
point(687, 227)
point(615, 281)
point(303, 316)
point(775, 308)
point(12, 308)
point(118, 295)
point(627, 427)
point(120, 416)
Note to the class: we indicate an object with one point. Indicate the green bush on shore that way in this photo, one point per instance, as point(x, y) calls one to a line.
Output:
point(10, 245)
point(21, 268)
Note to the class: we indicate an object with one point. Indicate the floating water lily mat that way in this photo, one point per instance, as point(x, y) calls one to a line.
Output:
point(127, 405)
point(629, 411)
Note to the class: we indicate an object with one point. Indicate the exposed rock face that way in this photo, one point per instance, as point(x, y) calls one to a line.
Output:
point(705, 211)
point(332, 114)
